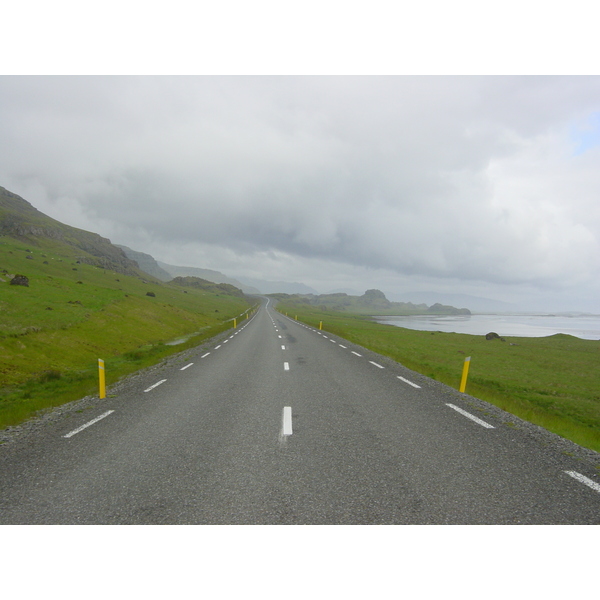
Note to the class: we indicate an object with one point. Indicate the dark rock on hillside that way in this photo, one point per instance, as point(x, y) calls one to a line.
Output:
point(20, 280)
point(492, 335)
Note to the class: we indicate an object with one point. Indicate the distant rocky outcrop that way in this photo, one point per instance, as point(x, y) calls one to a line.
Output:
point(372, 302)
point(492, 335)
point(206, 274)
point(375, 299)
point(442, 309)
point(146, 263)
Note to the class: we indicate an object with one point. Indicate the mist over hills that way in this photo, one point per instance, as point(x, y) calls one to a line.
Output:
point(19, 219)
point(166, 272)
point(373, 302)
point(274, 287)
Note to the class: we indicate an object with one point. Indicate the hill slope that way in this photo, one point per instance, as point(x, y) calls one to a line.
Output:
point(21, 221)
point(83, 299)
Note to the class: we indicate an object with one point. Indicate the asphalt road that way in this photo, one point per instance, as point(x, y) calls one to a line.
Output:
point(278, 423)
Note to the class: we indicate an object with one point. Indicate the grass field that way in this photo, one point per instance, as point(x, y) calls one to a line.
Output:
point(552, 381)
point(53, 332)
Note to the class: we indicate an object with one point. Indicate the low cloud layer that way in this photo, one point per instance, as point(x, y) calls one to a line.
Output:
point(471, 184)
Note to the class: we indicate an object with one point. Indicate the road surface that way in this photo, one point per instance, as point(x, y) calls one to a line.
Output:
point(279, 423)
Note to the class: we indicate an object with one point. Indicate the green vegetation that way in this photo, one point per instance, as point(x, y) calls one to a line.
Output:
point(553, 381)
point(74, 312)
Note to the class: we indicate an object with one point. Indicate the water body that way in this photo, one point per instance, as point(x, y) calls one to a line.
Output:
point(584, 327)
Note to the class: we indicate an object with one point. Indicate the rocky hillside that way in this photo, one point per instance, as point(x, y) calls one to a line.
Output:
point(21, 221)
point(146, 263)
point(203, 284)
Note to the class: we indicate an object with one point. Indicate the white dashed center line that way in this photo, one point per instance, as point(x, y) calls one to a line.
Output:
point(583, 479)
point(286, 366)
point(205, 355)
point(155, 385)
point(409, 382)
point(357, 354)
point(286, 428)
point(108, 412)
point(342, 346)
point(376, 364)
point(186, 367)
point(470, 416)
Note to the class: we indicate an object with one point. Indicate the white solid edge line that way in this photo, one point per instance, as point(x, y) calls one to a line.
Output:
point(155, 385)
point(470, 416)
point(287, 421)
point(108, 412)
point(583, 479)
point(377, 365)
point(186, 367)
point(409, 382)
point(286, 366)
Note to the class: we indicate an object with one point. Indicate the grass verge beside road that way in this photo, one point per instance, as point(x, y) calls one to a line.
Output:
point(552, 381)
point(53, 331)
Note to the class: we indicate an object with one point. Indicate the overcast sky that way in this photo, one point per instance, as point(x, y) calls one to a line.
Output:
point(485, 185)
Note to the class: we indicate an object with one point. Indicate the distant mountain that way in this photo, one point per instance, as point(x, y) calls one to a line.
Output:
point(208, 274)
point(146, 263)
point(275, 287)
point(373, 302)
point(20, 220)
point(473, 303)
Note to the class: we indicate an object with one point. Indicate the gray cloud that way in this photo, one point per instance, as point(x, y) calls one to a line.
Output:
point(444, 179)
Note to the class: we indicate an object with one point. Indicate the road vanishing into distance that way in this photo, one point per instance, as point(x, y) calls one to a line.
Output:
point(275, 422)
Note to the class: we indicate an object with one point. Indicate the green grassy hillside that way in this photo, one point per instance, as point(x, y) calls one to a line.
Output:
point(74, 311)
point(551, 381)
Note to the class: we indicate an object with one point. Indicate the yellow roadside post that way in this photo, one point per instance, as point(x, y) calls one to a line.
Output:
point(463, 381)
point(102, 378)
point(320, 324)
point(296, 318)
point(234, 322)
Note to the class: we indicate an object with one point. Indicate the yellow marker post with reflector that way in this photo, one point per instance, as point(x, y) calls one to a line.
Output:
point(234, 322)
point(102, 378)
point(320, 325)
point(463, 381)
